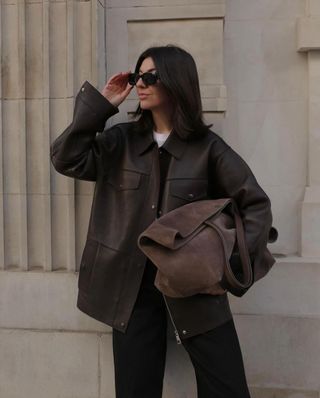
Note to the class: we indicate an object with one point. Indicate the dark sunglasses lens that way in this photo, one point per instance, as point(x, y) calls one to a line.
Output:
point(149, 79)
point(132, 78)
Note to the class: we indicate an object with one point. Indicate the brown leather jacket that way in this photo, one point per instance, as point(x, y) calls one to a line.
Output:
point(125, 165)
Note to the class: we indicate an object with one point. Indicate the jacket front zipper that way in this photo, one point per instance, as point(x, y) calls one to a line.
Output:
point(172, 321)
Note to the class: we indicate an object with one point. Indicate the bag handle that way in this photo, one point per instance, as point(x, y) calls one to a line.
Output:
point(230, 281)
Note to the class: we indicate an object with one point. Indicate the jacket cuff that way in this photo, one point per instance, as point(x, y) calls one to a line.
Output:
point(96, 101)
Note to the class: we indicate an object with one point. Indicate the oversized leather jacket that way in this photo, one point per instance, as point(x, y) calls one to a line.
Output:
point(124, 164)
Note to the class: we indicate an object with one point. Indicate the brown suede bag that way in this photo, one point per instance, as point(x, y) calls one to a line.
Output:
point(191, 247)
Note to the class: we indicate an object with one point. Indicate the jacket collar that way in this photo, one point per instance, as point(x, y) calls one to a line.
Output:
point(173, 145)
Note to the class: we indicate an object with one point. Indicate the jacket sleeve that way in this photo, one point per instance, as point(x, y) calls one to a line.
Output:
point(79, 151)
point(234, 178)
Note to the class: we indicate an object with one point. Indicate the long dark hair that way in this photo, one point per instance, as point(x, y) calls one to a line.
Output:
point(177, 71)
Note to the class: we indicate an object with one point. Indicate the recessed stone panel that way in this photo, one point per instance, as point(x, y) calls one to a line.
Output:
point(201, 37)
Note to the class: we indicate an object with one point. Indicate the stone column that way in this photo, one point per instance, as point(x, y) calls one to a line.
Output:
point(309, 42)
point(48, 48)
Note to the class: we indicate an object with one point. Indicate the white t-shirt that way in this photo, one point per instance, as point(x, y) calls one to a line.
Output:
point(160, 138)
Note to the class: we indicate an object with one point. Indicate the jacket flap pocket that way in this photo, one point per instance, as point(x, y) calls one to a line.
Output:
point(189, 189)
point(125, 180)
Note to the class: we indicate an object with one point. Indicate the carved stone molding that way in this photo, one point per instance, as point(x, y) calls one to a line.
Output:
point(308, 40)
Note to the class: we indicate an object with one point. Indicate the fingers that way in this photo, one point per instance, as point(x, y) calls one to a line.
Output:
point(128, 89)
point(118, 77)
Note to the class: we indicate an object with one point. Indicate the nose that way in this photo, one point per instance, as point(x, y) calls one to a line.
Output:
point(140, 83)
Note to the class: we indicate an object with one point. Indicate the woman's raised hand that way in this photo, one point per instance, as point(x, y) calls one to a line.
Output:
point(117, 88)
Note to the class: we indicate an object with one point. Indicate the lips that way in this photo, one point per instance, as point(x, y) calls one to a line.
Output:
point(143, 96)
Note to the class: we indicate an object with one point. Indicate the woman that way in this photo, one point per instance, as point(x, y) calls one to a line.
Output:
point(142, 170)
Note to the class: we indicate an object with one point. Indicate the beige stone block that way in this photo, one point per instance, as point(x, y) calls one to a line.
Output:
point(257, 392)
point(313, 7)
point(261, 61)
point(159, 3)
point(84, 53)
point(15, 231)
point(60, 53)
point(310, 233)
point(14, 146)
point(308, 34)
point(271, 137)
point(314, 144)
point(38, 364)
point(289, 289)
point(107, 386)
point(62, 194)
point(280, 351)
point(63, 232)
point(99, 75)
point(13, 56)
point(34, 50)
point(60, 184)
point(286, 208)
point(266, 10)
point(314, 76)
point(1, 234)
point(39, 232)
point(84, 188)
point(202, 38)
point(44, 301)
point(38, 146)
point(216, 119)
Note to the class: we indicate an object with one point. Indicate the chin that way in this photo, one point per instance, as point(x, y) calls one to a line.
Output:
point(145, 107)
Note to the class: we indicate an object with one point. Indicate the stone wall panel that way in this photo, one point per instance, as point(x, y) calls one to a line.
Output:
point(293, 346)
point(40, 364)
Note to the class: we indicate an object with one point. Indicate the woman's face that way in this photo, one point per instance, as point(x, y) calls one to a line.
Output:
point(153, 97)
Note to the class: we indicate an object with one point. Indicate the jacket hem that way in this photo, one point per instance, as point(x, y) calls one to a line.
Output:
point(86, 306)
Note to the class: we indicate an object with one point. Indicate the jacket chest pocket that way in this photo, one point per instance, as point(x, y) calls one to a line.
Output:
point(189, 190)
point(124, 181)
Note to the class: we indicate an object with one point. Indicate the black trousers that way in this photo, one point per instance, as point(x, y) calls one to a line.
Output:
point(140, 353)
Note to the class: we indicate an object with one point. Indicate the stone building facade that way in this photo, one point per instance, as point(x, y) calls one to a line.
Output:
point(259, 67)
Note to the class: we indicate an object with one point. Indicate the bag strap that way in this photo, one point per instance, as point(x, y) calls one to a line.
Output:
point(230, 281)
point(243, 250)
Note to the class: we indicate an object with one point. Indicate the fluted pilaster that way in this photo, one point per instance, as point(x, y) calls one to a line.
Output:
point(48, 48)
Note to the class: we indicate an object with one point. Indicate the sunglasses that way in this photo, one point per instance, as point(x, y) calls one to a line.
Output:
point(148, 78)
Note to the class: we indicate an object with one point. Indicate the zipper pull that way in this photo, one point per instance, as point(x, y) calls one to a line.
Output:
point(173, 324)
point(177, 336)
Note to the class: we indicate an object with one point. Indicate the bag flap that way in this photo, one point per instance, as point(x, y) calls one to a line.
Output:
point(181, 223)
